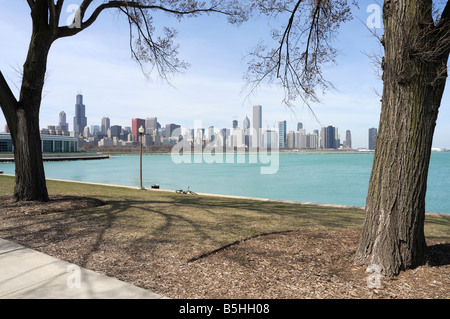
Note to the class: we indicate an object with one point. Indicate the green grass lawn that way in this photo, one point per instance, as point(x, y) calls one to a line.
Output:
point(203, 222)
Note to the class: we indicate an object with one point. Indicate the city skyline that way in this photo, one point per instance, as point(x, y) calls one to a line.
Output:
point(100, 67)
point(328, 138)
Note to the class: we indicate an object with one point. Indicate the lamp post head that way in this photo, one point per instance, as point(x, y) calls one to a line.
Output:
point(141, 130)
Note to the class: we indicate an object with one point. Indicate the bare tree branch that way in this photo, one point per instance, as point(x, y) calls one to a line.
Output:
point(286, 35)
point(8, 101)
point(304, 47)
point(443, 28)
point(54, 14)
point(445, 16)
point(31, 4)
point(157, 52)
point(66, 31)
point(83, 7)
point(7, 98)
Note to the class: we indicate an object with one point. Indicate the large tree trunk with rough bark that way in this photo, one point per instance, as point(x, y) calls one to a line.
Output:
point(22, 117)
point(414, 80)
point(29, 169)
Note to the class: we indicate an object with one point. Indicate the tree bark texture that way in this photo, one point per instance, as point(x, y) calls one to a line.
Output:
point(22, 116)
point(414, 80)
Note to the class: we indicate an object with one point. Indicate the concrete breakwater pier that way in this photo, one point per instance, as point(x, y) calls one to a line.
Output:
point(60, 157)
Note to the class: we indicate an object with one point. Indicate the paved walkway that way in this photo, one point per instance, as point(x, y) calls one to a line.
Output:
point(28, 274)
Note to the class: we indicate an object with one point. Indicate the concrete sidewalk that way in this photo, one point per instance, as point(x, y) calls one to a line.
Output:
point(28, 274)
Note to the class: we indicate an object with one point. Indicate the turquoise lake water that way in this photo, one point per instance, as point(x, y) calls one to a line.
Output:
point(329, 178)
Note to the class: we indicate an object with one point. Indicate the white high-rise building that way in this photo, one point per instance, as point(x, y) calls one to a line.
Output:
point(238, 138)
point(257, 126)
point(86, 132)
point(298, 138)
point(291, 139)
point(270, 139)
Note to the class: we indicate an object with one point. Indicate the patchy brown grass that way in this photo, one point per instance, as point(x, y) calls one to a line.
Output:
point(185, 246)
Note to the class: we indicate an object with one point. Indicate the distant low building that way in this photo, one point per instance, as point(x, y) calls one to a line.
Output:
point(49, 143)
point(106, 142)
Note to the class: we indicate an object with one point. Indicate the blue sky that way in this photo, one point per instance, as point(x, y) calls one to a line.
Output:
point(97, 63)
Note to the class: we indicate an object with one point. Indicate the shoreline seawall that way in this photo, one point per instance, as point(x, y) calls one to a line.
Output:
point(229, 196)
point(6, 158)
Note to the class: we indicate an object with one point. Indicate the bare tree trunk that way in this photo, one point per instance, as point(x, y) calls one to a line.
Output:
point(393, 231)
point(29, 169)
point(23, 120)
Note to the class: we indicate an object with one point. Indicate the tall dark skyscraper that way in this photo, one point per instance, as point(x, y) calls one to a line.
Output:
point(330, 137)
point(348, 139)
point(170, 128)
point(115, 131)
point(372, 138)
point(80, 119)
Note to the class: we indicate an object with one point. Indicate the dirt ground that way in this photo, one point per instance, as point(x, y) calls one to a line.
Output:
point(290, 265)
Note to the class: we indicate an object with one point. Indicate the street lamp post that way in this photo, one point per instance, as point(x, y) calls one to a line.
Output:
point(141, 132)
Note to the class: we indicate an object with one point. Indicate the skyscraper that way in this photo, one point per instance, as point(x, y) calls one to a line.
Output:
point(79, 120)
point(323, 137)
point(291, 139)
point(105, 125)
point(86, 132)
point(170, 128)
point(95, 129)
point(63, 126)
point(337, 139)
point(299, 126)
point(135, 125)
point(270, 138)
point(330, 137)
point(151, 124)
point(211, 135)
point(246, 125)
point(281, 134)
point(257, 125)
point(115, 131)
point(373, 132)
point(348, 139)
point(223, 136)
point(246, 128)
